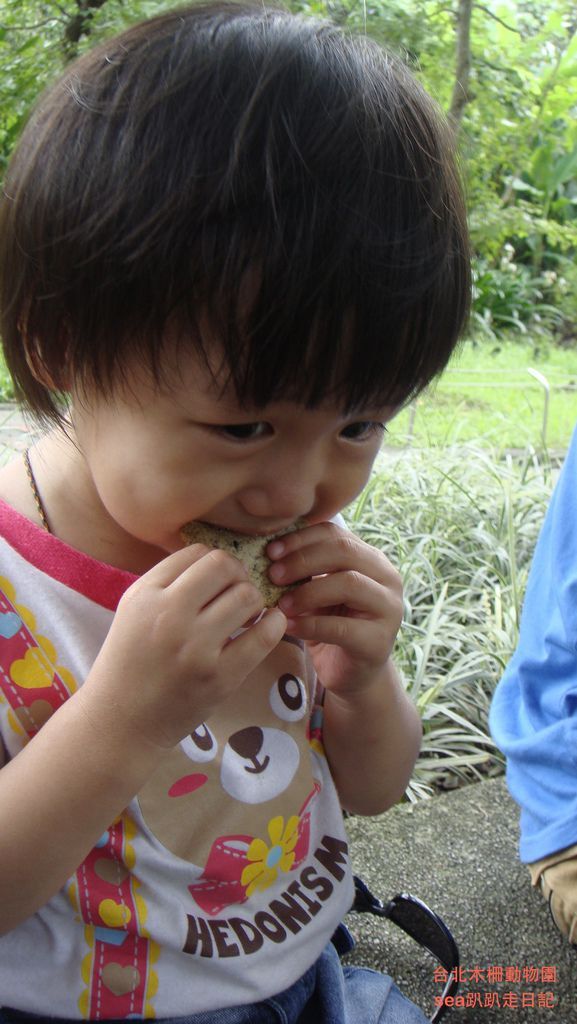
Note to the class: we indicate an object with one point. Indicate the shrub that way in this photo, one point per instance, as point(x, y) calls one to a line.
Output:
point(460, 524)
point(511, 296)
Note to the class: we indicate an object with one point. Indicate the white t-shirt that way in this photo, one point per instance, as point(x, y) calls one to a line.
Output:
point(223, 880)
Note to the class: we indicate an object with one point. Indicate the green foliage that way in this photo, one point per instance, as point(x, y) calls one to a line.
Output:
point(520, 144)
point(27, 62)
point(460, 525)
point(513, 296)
point(37, 38)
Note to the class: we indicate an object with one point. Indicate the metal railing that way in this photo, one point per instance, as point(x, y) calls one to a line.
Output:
point(546, 384)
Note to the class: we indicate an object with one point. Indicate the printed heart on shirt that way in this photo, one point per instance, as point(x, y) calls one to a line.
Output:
point(114, 915)
point(33, 672)
point(120, 980)
point(10, 623)
point(111, 871)
point(35, 716)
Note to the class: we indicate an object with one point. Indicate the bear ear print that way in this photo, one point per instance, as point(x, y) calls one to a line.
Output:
point(251, 551)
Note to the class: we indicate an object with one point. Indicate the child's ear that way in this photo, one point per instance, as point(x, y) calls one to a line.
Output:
point(48, 378)
point(40, 371)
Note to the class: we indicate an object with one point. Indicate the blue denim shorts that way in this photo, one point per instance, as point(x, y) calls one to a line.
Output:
point(327, 993)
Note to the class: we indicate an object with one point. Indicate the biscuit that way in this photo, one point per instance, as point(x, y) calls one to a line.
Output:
point(251, 551)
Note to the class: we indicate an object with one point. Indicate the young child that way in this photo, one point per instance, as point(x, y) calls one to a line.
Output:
point(235, 241)
point(533, 715)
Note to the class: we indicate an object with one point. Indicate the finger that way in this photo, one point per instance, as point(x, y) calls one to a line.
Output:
point(243, 654)
point(170, 568)
point(292, 541)
point(349, 588)
point(329, 549)
point(195, 574)
point(207, 578)
point(362, 639)
point(232, 609)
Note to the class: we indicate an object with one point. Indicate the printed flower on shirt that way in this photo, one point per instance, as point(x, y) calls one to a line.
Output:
point(267, 860)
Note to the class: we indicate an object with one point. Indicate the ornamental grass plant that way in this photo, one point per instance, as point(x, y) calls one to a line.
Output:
point(460, 523)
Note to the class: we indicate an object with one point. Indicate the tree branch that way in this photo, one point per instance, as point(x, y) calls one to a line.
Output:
point(495, 17)
point(79, 25)
point(30, 28)
point(63, 11)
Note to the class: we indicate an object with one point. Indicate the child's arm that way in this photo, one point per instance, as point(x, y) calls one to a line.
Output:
point(372, 770)
point(58, 796)
point(166, 664)
point(350, 613)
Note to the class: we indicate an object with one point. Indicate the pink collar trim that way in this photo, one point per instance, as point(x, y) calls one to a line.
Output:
point(104, 584)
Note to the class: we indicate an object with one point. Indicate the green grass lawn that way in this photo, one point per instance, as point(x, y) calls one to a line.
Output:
point(487, 395)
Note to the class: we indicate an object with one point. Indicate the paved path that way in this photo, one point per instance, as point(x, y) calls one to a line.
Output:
point(16, 432)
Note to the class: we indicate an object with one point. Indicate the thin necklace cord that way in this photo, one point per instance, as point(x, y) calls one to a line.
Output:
point(35, 492)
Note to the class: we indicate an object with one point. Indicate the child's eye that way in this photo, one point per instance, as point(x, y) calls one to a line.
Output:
point(363, 430)
point(244, 431)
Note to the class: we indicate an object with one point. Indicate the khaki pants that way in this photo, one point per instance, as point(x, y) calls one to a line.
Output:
point(556, 877)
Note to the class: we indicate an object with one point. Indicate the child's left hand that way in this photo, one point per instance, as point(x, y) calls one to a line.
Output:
point(350, 609)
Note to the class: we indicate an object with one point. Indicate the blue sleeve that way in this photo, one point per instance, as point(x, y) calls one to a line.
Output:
point(533, 716)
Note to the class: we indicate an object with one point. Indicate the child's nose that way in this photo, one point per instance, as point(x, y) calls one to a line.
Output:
point(285, 497)
point(289, 483)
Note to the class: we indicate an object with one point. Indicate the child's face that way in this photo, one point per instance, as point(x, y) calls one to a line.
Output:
point(159, 458)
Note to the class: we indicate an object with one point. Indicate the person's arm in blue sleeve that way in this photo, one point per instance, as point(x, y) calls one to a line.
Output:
point(533, 717)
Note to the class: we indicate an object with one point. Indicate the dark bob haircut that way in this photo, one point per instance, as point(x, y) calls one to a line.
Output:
point(289, 185)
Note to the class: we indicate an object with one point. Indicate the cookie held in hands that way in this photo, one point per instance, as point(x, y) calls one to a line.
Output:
point(251, 551)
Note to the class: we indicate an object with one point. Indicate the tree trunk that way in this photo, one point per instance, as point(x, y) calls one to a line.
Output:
point(78, 25)
point(461, 95)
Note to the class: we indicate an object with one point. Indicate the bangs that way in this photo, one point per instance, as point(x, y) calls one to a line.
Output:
point(343, 307)
point(330, 353)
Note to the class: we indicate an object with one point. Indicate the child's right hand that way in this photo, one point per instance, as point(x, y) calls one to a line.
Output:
point(165, 665)
point(168, 660)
